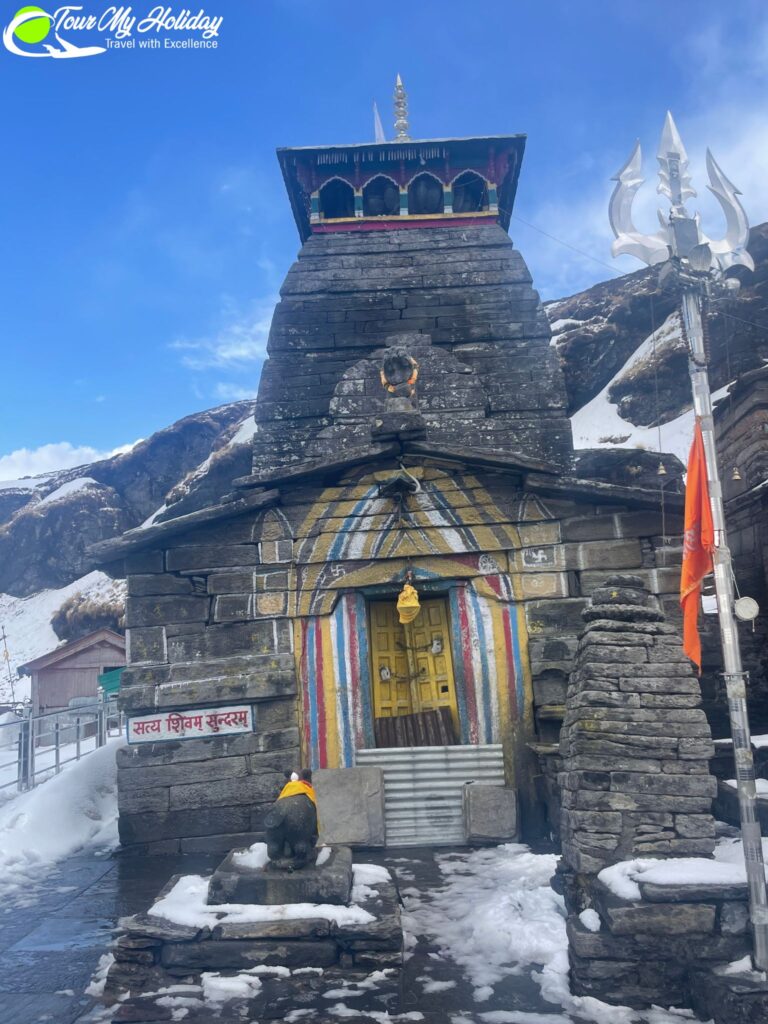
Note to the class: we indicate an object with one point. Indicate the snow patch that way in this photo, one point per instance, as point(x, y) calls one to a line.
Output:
point(186, 904)
point(96, 985)
point(73, 811)
point(599, 419)
point(370, 874)
point(590, 919)
point(255, 857)
point(761, 785)
point(81, 483)
point(244, 433)
point(727, 868)
point(27, 620)
point(218, 989)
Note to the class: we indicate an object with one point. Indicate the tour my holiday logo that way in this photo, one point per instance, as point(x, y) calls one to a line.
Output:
point(68, 31)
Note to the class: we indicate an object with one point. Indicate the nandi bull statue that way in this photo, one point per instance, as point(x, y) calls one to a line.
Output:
point(291, 825)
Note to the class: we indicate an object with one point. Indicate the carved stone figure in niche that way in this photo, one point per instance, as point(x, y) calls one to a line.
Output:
point(291, 825)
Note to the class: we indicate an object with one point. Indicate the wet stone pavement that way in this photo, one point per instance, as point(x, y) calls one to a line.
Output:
point(52, 940)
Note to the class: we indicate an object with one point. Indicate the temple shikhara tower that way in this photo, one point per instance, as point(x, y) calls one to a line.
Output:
point(411, 429)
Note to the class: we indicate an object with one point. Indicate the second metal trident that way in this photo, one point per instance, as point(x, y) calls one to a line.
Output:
point(695, 264)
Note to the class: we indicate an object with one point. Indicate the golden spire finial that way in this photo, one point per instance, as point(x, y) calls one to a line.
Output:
point(401, 110)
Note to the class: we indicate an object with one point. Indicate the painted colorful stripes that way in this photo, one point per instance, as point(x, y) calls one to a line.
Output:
point(336, 683)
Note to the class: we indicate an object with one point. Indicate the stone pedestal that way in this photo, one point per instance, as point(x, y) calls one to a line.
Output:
point(350, 806)
point(296, 960)
point(490, 814)
point(328, 882)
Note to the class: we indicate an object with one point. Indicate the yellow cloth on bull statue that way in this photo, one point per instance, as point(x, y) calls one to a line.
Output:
point(408, 606)
point(299, 788)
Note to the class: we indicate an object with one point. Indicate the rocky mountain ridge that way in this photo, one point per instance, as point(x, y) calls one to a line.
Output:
point(48, 522)
point(596, 331)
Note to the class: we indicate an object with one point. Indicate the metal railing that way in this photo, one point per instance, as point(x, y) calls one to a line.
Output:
point(34, 747)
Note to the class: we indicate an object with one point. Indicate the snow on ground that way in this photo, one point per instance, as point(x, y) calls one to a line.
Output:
point(497, 915)
point(81, 483)
point(73, 811)
point(599, 419)
point(27, 620)
point(186, 902)
point(45, 760)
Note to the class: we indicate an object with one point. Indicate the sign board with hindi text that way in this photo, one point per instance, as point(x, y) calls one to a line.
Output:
point(190, 724)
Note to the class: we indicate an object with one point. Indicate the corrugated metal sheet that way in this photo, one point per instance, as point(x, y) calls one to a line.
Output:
point(423, 789)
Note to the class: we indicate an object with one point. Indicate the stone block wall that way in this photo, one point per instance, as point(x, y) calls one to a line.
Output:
point(221, 615)
point(203, 631)
point(466, 287)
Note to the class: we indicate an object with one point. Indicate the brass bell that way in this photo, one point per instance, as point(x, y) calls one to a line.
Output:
point(662, 470)
point(735, 475)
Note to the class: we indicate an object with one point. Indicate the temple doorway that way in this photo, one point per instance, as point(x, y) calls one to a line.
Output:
point(414, 689)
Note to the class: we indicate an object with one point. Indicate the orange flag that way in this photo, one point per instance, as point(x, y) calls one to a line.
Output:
point(698, 545)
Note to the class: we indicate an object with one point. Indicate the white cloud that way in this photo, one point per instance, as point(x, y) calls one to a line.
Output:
point(50, 457)
point(228, 392)
point(240, 342)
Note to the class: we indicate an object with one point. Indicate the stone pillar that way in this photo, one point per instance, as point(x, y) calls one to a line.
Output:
point(635, 783)
point(635, 743)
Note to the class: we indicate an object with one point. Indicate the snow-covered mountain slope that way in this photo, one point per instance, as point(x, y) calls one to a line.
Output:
point(597, 334)
point(599, 423)
point(47, 523)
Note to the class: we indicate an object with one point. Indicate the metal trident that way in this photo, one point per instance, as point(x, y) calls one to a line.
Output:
point(680, 233)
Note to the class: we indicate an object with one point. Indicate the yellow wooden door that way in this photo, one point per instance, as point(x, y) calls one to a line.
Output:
point(391, 671)
point(412, 666)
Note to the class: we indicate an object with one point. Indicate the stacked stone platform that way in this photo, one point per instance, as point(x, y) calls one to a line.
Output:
point(635, 783)
point(646, 950)
point(307, 956)
point(635, 742)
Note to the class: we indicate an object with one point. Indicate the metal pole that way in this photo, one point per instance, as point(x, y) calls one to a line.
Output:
point(22, 754)
point(57, 741)
point(7, 658)
point(77, 738)
point(31, 740)
point(101, 722)
point(735, 676)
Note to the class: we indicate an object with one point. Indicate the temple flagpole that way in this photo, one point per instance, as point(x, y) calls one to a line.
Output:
point(695, 265)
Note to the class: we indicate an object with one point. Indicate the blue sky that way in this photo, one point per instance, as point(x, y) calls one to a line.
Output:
point(144, 223)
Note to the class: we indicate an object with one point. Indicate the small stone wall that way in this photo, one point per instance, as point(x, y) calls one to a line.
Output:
point(646, 949)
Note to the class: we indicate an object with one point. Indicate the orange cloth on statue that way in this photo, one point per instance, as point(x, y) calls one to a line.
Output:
point(299, 788)
point(698, 545)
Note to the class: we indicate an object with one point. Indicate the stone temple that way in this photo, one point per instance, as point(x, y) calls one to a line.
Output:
point(411, 426)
